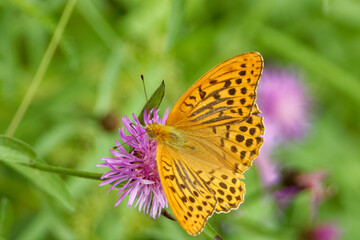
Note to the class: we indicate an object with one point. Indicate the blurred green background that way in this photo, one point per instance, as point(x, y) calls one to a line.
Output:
point(96, 72)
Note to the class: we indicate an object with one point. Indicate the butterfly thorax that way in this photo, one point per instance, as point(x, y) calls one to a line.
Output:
point(165, 134)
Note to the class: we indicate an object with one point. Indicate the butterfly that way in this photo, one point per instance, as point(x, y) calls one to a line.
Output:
point(210, 138)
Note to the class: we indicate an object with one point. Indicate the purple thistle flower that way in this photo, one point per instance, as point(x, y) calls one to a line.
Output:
point(284, 105)
point(137, 169)
point(285, 195)
point(268, 171)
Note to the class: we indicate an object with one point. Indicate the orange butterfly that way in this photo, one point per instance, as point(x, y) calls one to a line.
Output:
point(210, 139)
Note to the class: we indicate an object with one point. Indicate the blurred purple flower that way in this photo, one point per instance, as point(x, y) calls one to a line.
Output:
point(293, 182)
point(314, 182)
point(137, 169)
point(268, 171)
point(285, 195)
point(324, 231)
point(284, 105)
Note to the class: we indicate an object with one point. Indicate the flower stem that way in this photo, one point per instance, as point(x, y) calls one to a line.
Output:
point(42, 68)
point(64, 171)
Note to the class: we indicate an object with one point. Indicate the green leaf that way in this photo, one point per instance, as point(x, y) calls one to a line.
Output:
point(15, 154)
point(154, 101)
point(210, 232)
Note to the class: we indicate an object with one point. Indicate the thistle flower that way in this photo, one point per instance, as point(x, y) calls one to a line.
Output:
point(137, 170)
point(284, 106)
point(269, 172)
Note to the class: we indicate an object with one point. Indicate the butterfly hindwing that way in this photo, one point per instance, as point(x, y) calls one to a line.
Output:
point(229, 189)
point(189, 197)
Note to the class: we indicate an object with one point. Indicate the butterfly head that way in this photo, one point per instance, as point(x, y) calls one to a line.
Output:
point(153, 130)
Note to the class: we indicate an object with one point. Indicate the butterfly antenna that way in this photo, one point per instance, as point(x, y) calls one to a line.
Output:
point(147, 101)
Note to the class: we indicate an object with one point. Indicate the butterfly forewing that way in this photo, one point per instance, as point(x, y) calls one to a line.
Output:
point(240, 141)
point(225, 94)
